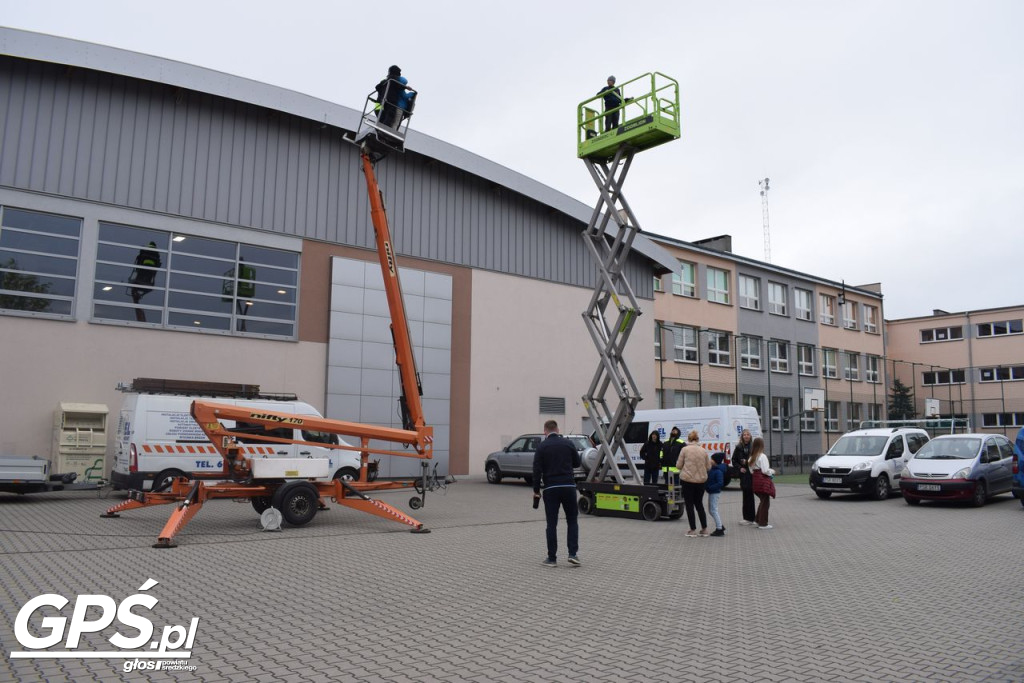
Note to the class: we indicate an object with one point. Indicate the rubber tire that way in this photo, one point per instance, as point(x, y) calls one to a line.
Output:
point(824, 495)
point(415, 502)
point(911, 501)
point(298, 503)
point(261, 504)
point(585, 505)
point(167, 474)
point(493, 474)
point(347, 474)
point(651, 511)
point(979, 500)
point(881, 489)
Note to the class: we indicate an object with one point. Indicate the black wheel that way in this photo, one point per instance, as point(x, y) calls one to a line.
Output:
point(651, 511)
point(493, 473)
point(297, 502)
point(881, 488)
point(585, 505)
point(824, 495)
point(165, 479)
point(415, 502)
point(980, 496)
point(260, 504)
point(911, 501)
point(347, 474)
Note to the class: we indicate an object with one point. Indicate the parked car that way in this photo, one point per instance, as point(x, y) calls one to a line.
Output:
point(1017, 488)
point(868, 461)
point(516, 459)
point(972, 467)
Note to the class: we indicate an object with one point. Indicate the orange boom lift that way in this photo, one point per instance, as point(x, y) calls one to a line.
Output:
point(295, 486)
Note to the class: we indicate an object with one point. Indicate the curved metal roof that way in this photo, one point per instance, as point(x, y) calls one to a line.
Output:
point(47, 48)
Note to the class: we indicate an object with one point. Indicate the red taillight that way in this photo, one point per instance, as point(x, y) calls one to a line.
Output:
point(133, 459)
point(1016, 465)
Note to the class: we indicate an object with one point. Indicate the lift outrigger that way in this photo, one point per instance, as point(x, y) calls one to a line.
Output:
point(296, 486)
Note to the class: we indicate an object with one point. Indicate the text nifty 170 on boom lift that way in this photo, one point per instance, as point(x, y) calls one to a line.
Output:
point(290, 485)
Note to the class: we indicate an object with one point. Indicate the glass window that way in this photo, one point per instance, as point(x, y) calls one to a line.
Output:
point(871, 373)
point(998, 329)
point(195, 283)
point(750, 353)
point(777, 298)
point(718, 348)
point(657, 284)
point(658, 331)
point(685, 399)
point(755, 402)
point(38, 262)
point(684, 280)
point(870, 319)
point(850, 315)
point(831, 416)
point(827, 303)
point(852, 366)
point(718, 285)
point(805, 360)
point(828, 363)
point(778, 355)
point(684, 343)
point(804, 304)
point(719, 399)
point(853, 415)
point(934, 377)
point(782, 408)
point(750, 292)
point(809, 421)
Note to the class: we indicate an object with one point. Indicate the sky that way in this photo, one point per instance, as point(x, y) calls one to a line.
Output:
point(892, 130)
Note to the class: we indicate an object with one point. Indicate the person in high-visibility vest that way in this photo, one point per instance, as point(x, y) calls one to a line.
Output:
point(670, 453)
point(144, 278)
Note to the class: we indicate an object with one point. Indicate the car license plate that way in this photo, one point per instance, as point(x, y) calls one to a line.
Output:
point(832, 480)
point(929, 487)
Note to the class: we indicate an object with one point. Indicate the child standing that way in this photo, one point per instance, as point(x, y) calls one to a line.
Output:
point(716, 479)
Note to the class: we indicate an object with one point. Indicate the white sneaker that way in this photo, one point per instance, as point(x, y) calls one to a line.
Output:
point(746, 523)
point(766, 526)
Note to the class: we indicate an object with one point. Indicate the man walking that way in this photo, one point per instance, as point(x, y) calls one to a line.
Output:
point(554, 461)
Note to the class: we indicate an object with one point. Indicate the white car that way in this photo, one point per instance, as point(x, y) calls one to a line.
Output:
point(868, 461)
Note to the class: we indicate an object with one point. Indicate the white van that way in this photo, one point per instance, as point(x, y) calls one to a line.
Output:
point(719, 428)
point(157, 439)
point(867, 461)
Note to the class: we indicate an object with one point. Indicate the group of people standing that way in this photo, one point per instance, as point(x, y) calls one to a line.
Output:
point(700, 472)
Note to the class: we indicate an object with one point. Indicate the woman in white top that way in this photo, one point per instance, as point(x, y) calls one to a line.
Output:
point(764, 488)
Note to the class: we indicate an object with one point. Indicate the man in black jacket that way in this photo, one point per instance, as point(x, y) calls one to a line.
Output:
point(612, 100)
point(555, 460)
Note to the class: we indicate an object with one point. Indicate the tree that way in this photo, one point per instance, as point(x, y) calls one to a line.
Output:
point(901, 402)
point(17, 282)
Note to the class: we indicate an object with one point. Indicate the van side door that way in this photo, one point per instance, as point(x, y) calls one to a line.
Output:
point(895, 458)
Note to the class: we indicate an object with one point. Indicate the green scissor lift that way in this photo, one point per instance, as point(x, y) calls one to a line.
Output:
point(648, 117)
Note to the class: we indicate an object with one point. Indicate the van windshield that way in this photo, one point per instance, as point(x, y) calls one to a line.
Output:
point(859, 445)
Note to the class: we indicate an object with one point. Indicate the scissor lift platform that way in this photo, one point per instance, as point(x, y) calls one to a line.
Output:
point(649, 113)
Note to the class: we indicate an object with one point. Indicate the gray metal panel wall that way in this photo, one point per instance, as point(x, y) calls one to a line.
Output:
point(85, 134)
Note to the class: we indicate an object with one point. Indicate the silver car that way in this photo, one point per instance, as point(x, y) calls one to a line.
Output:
point(516, 459)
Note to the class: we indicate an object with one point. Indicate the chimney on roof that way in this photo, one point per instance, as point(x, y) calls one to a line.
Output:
point(720, 243)
point(939, 311)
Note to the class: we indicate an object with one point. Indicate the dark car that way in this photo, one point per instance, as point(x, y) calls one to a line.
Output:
point(516, 459)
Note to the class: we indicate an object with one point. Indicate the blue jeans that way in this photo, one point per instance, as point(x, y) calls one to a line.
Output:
point(713, 508)
point(562, 497)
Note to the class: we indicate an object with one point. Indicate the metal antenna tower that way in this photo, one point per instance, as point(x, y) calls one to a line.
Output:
point(764, 220)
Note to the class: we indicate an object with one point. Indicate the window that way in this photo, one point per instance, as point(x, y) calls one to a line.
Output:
point(657, 284)
point(782, 408)
point(718, 348)
point(685, 399)
point(38, 262)
point(852, 366)
point(659, 397)
point(803, 302)
point(875, 411)
point(1002, 374)
point(659, 328)
point(750, 292)
point(853, 415)
point(684, 280)
point(684, 343)
point(809, 421)
point(935, 377)
point(831, 416)
point(805, 360)
point(777, 298)
point(194, 283)
point(850, 315)
point(1000, 328)
point(716, 399)
point(828, 363)
point(940, 334)
point(750, 353)
point(755, 402)
point(718, 285)
point(827, 303)
point(871, 319)
point(1002, 419)
point(871, 369)
point(778, 356)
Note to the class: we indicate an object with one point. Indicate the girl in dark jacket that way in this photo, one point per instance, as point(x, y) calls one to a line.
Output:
point(651, 453)
point(740, 455)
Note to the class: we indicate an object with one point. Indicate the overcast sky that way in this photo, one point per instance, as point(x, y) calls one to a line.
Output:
point(892, 130)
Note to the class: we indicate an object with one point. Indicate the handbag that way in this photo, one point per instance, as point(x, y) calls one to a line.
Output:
point(763, 484)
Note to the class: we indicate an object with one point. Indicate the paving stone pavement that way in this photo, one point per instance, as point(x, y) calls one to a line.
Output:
point(840, 590)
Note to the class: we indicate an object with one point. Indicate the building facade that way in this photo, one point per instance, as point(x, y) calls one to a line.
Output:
point(729, 329)
point(163, 220)
point(968, 364)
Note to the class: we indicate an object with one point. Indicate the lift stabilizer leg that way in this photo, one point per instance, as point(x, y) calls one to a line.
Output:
point(376, 507)
point(181, 516)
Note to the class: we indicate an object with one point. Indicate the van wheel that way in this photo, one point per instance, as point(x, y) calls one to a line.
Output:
point(260, 504)
point(651, 511)
point(824, 495)
point(980, 496)
point(493, 474)
point(881, 489)
point(347, 474)
point(164, 480)
point(297, 502)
